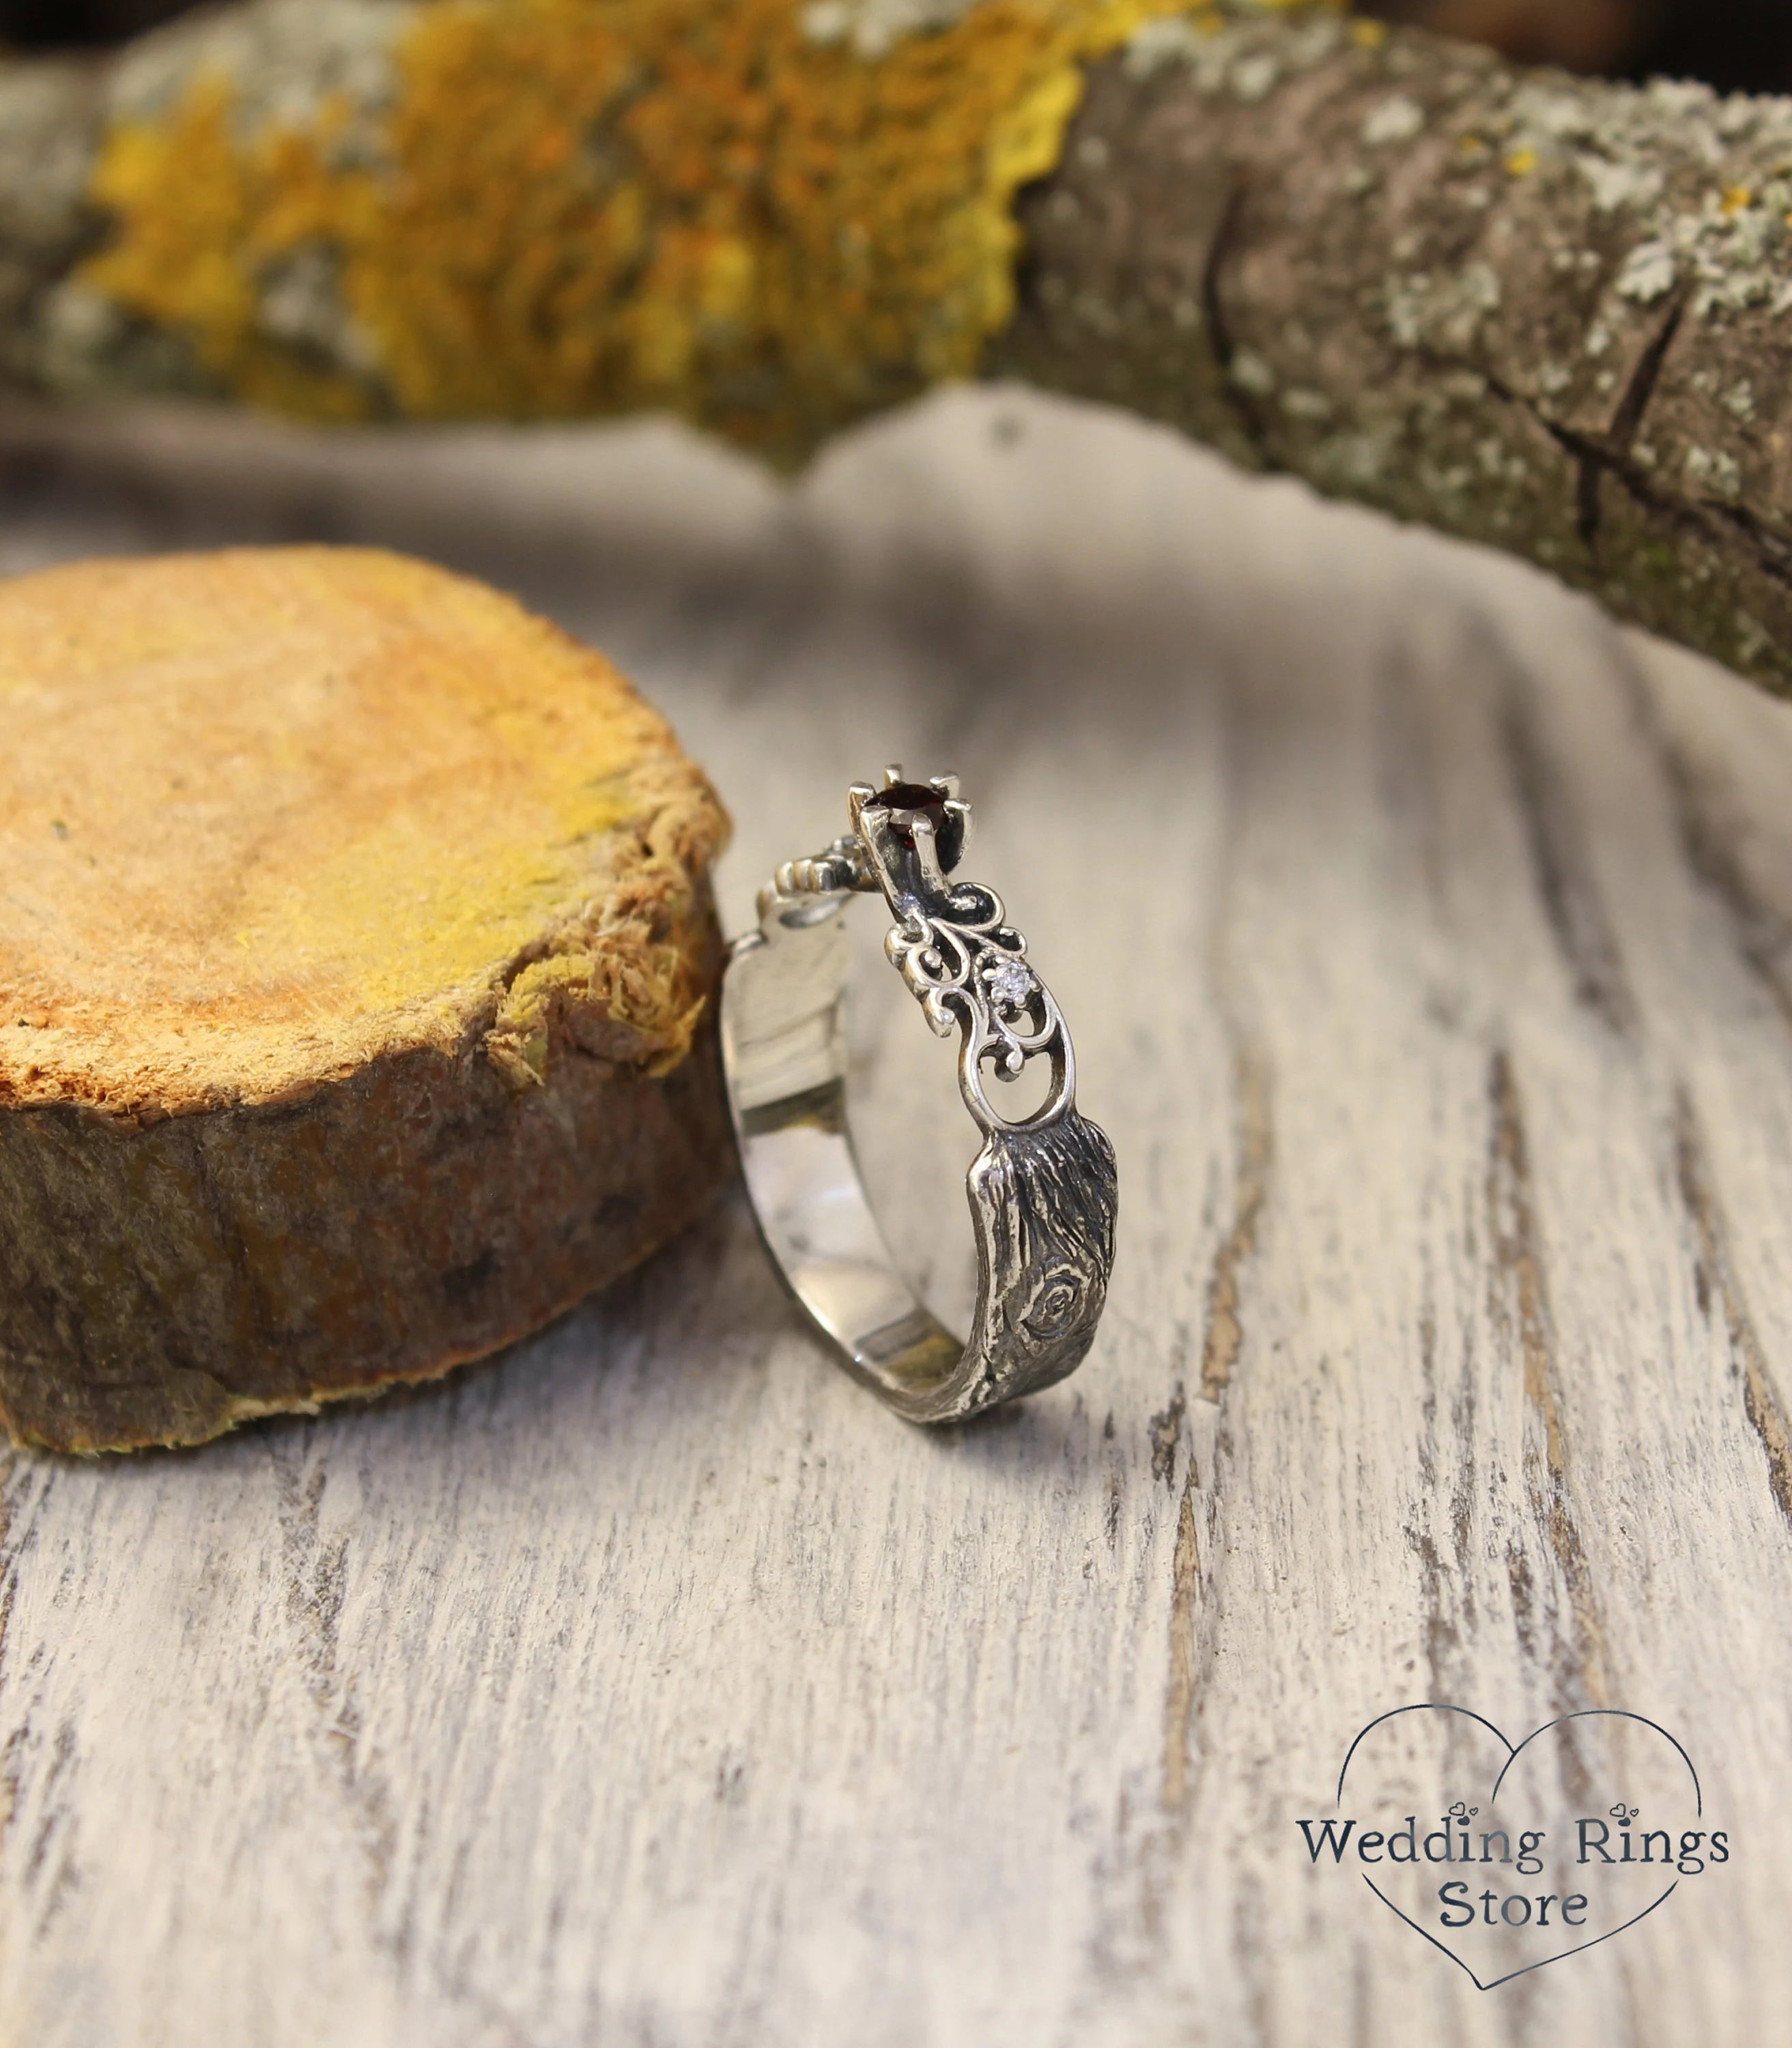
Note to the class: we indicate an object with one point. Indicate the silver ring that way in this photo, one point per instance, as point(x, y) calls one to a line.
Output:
point(1043, 1190)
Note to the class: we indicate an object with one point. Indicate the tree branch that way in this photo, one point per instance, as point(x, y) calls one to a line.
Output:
point(1540, 312)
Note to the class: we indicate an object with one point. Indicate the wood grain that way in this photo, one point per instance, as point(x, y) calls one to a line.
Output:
point(1428, 946)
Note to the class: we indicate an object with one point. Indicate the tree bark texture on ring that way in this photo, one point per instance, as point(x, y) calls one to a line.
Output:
point(1541, 312)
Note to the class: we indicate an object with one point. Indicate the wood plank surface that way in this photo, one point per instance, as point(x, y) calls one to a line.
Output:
point(1428, 949)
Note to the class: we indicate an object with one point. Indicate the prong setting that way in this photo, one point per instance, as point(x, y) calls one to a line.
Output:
point(890, 821)
point(927, 856)
point(959, 813)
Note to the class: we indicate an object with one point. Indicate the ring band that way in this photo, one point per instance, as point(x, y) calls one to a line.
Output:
point(1042, 1190)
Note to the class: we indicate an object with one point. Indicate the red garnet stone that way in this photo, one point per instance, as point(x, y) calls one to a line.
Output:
point(916, 798)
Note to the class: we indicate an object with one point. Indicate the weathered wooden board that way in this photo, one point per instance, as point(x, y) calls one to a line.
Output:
point(1430, 950)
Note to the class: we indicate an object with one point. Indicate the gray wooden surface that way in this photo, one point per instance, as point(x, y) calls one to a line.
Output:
point(1428, 947)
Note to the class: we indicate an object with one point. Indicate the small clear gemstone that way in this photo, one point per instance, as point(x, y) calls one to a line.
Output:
point(1010, 983)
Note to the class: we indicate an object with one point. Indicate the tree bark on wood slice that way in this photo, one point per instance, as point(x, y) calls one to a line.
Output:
point(356, 952)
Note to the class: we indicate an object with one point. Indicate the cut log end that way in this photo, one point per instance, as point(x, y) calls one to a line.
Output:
point(355, 958)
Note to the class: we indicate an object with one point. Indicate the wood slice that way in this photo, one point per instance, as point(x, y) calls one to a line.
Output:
point(356, 948)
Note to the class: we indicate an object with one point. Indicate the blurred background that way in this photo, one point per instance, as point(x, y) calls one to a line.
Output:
point(1737, 45)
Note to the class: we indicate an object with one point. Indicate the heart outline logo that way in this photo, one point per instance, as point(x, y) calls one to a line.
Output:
point(1513, 1751)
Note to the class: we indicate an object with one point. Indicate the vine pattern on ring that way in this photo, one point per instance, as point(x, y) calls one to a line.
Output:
point(970, 969)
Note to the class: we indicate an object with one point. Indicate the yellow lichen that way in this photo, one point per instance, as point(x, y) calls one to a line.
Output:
point(588, 206)
point(622, 995)
point(205, 216)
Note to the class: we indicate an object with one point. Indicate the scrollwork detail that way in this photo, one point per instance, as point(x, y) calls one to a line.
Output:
point(967, 966)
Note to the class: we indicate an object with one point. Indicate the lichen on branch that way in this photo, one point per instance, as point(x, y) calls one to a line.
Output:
point(770, 218)
point(1546, 313)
